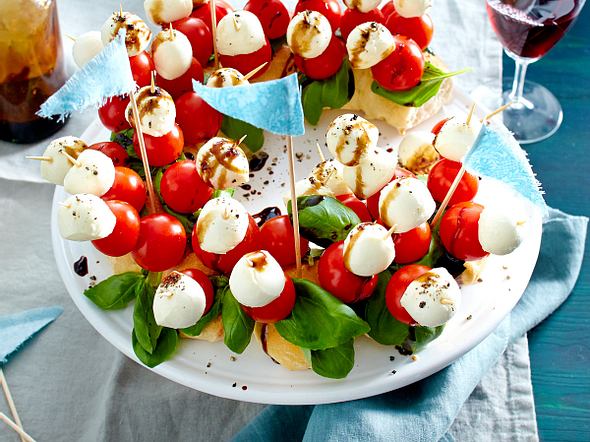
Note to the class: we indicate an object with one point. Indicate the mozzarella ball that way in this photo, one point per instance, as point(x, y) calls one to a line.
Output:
point(257, 279)
point(411, 8)
point(349, 137)
point(137, 33)
point(329, 174)
point(362, 5)
point(238, 33)
point(368, 44)
point(221, 163)
point(368, 249)
point(433, 298)
point(86, 47)
point(56, 169)
point(309, 34)
point(501, 229)
point(157, 112)
point(226, 77)
point(416, 152)
point(179, 301)
point(85, 217)
point(374, 171)
point(95, 174)
point(166, 11)
point(172, 53)
point(456, 138)
point(222, 225)
point(405, 203)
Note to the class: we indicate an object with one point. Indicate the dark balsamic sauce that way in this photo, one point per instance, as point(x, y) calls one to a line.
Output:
point(258, 161)
point(81, 266)
point(265, 214)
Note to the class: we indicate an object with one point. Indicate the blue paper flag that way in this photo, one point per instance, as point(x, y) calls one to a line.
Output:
point(273, 105)
point(497, 155)
point(17, 329)
point(108, 74)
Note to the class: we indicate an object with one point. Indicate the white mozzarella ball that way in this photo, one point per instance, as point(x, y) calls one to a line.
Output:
point(349, 137)
point(172, 53)
point(157, 112)
point(238, 33)
point(226, 77)
point(405, 203)
point(373, 172)
point(137, 33)
point(94, 174)
point(416, 150)
point(368, 44)
point(501, 229)
point(86, 47)
point(55, 169)
point(309, 34)
point(368, 249)
point(433, 298)
point(412, 8)
point(166, 11)
point(221, 163)
point(179, 301)
point(222, 225)
point(85, 217)
point(456, 138)
point(362, 5)
point(328, 174)
point(257, 279)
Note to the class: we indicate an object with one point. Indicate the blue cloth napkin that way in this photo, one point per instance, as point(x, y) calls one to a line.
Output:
point(424, 411)
point(17, 329)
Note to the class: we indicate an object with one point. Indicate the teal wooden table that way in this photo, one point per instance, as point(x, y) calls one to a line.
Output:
point(560, 346)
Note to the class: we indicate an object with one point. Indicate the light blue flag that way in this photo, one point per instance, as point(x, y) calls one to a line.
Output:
point(108, 74)
point(497, 155)
point(273, 105)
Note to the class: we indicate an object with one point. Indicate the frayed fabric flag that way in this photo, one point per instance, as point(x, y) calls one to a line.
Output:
point(273, 105)
point(107, 75)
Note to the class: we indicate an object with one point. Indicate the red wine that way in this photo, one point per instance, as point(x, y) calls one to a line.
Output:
point(530, 28)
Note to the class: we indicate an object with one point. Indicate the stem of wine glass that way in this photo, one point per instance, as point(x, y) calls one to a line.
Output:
point(518, 82)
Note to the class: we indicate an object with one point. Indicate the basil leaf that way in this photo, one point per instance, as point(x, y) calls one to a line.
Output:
point(219, 284)
point(334, 362)
point(125, 139)
point(324, 220)
point(145, 328)
point(418, 337)
point(116, 291)
point(223, 192)
point(319, 320)
point(236, 129)
point(187, 221)
point(237, 325)
point(158, 182)
point(432, 258)
point(165, 348)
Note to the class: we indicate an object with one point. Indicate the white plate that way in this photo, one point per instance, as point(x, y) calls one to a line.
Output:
point(252, 376)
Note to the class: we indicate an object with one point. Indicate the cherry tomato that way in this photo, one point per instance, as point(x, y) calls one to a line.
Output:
point(123, 238)
point(205, 284)
point(198, 120)
point(387, 9)
point(246, 63)
point(226, 262)
point(396, 287)
point(112, 114)
point(128, 187)
point(276, 237)
point(341, 282)
point(459, 231)
point(351, 18)
point(161, 243)
point(161, 150)
point(142, 66)
point(184, 83)
point(442, 175)
point(373, 200)
point(418, 29)
point(273, 15)
point(203, 11)
point(324, 65)
point(113, 150)
point(182, 188)
point(412, 245)
point(328, 8)
point(357, 206)
point(199, 34)
point(276, 310)
point(402, 69)
point(438, 126)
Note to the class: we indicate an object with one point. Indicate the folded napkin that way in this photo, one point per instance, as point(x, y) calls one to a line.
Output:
point(424, 411)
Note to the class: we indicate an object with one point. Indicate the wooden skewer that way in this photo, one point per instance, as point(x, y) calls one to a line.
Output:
point(152, 82)
point(236, 25)
point(10, 402)
point(237, 143)
point(121, 9)
point(23, 435)
point(497, 111)
point(61, 203)
point(320, 152)
point(446, 301)
point(171, 31)
point(214, 32)
point(294, 210)
point(39, 158)
point(389, 232)
point(255, 71)
point(71, 37)
point(470, 114)
point(72, 160)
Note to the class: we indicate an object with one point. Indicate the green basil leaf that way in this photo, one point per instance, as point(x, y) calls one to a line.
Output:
point(158, 182)
point(431, 259)
point(125, 139)
point(219, 284)
point(145, 328)
point(223, 192)
point(311, 101)
point(165, 348)
point(334, 362)
point(237, 325)
point(319, 320)
point(116, 291)
point(236, 129)
point(187, 221)
point(418, 337)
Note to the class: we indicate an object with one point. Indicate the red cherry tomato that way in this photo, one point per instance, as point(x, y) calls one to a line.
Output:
point(198, 120)
point(459, 231)
point(351, 18)
point(184, 83)
point(398, 284)
point(324, 65)
point(142, 66)
point(357, 206)
point(328, 8)
point(161, 243)
point(276, 310)
point(128, 187)
point(226, 262)
point(402, 69)
point(442, 175)
point(341, 282)
point(199, 34)
point(203, 11)
point(273, 15)
point(182, 188)
point(112, 114)
point(438, 126)
point(245, 63)
point(276, 237)
point(387, 9)
point(205, 284)
point(124, 237)
point(373, 200)
point(418, 29)
point(161, 150)
point(412, 245)
point(113, 150)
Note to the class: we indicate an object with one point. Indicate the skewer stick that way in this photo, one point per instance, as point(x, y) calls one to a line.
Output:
point(237, 143)
point(214, 32)
point(497, 111)
point(389, 232)
point(72, 160)
point(320, 152)
point(255, 71)
point(39, 158)
point(294, 209)
point(10, 402)
point(71, 37)
point(62, 204)
point(469, 115)
point(23, 435)
point(446, 301)
point(121, 9)
point(153, 82)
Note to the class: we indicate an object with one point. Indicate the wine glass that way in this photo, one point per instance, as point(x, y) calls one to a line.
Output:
point(528, 29)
